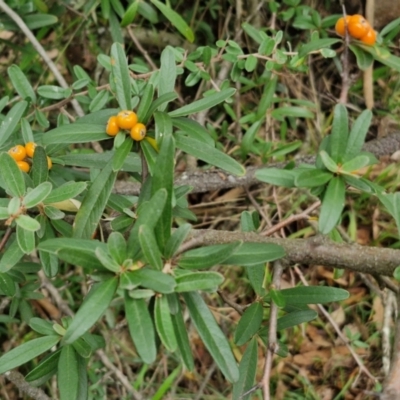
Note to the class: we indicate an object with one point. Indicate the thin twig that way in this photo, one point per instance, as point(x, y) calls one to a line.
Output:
point(5, 238)
point(19, 381)
point(231, 303)
point(205, 381)
point(142, 50)
point(272, 345)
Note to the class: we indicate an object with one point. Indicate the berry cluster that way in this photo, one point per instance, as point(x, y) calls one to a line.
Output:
point(126, 120)
point(24, 154)
point(357, 27)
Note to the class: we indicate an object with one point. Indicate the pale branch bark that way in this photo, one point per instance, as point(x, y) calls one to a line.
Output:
point(316, 250)
point(19, 381)
point(204, 181)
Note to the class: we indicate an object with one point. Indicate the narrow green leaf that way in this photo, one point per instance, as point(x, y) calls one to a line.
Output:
point(295, 318)
point(40, 169)
point(141, 328)
point(249, 254)
point(67, 191)
point(82, 379)
point(167, 74)
point(312, 178)
point(117, 247)
point(176, 239)
point(7, 284)
point(332, 204)
point(11, 175)
point(193, 281)
point(82, 348)
point(165, 329)
point(167, 384)
point(356, 163)
point(26, 352)
point(209, 154)
point(175, 19)
point(120, 76)
point(11, 121)
point(121, 153)
point(130, 14)
point(150, 247)
point(149, 278)
point(54, 92)
point(340, 133)
point(99, 101)
point(28, 223)
point(317, 44)
point(212, 336)
point(94, 202)
point(67, 376)
point(203, 104)
point(249, 323)
point(193, 129)
point(75, 133)
point(182, 338)
point(364, 59)
point(357, 135)
point(94, 305)
point(21, 83)
point(247, 372)
point(160, 104)
point(107, 261)
point(41, 326)
point(26, 239)
point(37, 195)
point(164, 178)
point(207, 256)
point(145, 103)
point(328, 161)
point(47, 367)
point(291, 111)
point(313, 295)
point(276, 176)
point(11, 256)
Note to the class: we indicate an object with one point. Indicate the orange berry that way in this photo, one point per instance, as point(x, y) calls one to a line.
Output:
point(18, 152)
point(340, 26)
point(49, 162)
point(30, 148)
point(23, 166)
point(138, 132)
point(369, 38)
point(358, 26)
point(112, 126)
point(126, 119)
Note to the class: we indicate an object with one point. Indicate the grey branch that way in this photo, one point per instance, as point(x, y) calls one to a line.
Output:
point(18, 380)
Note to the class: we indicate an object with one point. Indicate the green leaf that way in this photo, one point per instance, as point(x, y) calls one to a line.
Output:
point(364, 59)
point(26, 352)
point(193, 129)
point(295, 318)
point(145, 103)
point(148, 278)
point(28, 223)
point(141, 328)
point(99, 101)
point(165, 329)
point(7, 284)
point(276, 176)
point(340, 133)
point(26, 240)
point(167, 74)
point(382, 54)
point(176, 20)
point(11, 256)
point(149, 247)
point(11, 121)
point(249, 254)
point(37, 195)
point(54, 92)
point(68, 376)
point(160, 103)
point(207, 256)
point(313, 295)
point(94, 305)
point(46, 368)
point(396, 274)
point(328, 162)
point(94, 202)
point(117, 247)
point(11, 175)
point(130, 14)
point(212, 336)
point(176, 239)
point(67, 191)
point(247, 372)
point(317, 44)
point(251, 63)
point(209, 280)
point(297, 112)
point(120, 76)
point(21, 83)
point(41, 326)
point(203, 104)
point(356, 163)
point(312, 178)
point(82, 348)
point(209, 154)
point(182, 339)
point(107, 261)
point(40, 169)
point(164, 178)
point(332, 204)
point(75, 133)
point(249, 323)
point(167, 384)
point(121, 153)
point(357, 135)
